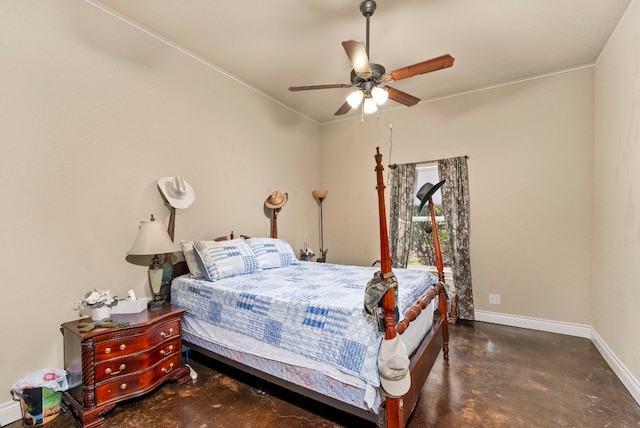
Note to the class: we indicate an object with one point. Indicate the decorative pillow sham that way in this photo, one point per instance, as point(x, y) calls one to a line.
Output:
point(221, 259)
point(191, 258)
point(272, 253)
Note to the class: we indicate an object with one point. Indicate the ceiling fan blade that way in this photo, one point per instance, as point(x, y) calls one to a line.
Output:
point(357, 54)
point(344, 108)
point(427, 66)
point(401, 97)
point(327, 86)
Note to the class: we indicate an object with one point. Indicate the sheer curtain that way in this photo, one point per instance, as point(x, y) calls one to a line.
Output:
point(455, 203)
point(401, 193)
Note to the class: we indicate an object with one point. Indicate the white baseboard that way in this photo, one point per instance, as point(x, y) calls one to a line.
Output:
point(9, 412)
point(570, 329)
point(627, 379)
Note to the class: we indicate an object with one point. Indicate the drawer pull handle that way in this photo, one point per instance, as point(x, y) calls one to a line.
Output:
point(165, 335)
point(122, 348)
point(123, 386)
point(170, 350)
point(165, 370)
point(111, 372)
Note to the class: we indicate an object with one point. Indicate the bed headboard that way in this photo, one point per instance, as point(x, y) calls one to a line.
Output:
point(231, 236)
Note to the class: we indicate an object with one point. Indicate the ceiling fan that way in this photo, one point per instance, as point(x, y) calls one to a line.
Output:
point(371, 79)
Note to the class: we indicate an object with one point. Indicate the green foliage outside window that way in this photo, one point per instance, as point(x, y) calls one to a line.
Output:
point(422, 250)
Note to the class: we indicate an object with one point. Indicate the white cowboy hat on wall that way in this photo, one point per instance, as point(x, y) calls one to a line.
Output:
point(176, 191)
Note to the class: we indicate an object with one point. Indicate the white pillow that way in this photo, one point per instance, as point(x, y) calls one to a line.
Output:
point(222, 259)
point(272, 253)
point(191, 259)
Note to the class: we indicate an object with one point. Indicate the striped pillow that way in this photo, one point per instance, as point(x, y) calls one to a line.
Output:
point(272, 253)
point(225, 258)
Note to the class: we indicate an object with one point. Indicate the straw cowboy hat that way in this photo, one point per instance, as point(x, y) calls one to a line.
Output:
point(177, 191)
point(276, 200)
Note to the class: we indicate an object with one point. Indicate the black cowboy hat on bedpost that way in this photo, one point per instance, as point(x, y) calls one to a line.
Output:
point(426, 192)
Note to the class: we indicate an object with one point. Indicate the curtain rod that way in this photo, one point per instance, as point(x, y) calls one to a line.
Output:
point(394, 165)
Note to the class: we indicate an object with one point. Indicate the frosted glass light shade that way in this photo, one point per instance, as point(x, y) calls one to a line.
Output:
point(320, 194)
point(355, 98)
point(379, 95)
point(370, 106)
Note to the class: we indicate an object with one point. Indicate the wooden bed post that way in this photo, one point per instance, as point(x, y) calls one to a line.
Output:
point(274, 223)
point(394, 407)
point(436, 242)
point(442, 299)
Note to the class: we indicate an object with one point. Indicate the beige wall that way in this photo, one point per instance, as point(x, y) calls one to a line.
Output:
point(92, 113)
point(616, 187)
point(530, 160)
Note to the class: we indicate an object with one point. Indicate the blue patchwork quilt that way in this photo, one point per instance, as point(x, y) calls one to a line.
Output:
point(314, 309)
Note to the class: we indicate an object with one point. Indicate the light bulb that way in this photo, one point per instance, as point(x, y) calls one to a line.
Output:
point(370, 105)
point(380, 95)
point(355, 98)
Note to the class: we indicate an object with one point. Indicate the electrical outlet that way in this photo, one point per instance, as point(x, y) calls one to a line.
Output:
point(494, 299)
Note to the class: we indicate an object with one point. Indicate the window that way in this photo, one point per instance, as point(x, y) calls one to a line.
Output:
point(422, 254)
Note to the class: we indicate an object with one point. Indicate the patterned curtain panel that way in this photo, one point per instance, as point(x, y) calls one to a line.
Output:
point(455, 203)
point(402, 183)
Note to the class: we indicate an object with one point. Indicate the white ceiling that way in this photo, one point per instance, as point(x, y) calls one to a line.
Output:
point(273, 44)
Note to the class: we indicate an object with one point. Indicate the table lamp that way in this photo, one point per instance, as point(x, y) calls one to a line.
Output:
point(153, 240)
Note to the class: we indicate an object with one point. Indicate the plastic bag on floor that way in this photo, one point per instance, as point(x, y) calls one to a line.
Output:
point(40, 395)
point(55, 379)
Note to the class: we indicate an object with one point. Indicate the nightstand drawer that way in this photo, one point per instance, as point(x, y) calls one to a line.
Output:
point(136, 340)
point(131, 385)
point(133, 363)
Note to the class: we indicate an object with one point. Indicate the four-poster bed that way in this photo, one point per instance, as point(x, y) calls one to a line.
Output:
point(302, 325)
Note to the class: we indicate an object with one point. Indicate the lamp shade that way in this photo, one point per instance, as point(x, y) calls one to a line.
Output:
point(320, 194)
point(152, 239)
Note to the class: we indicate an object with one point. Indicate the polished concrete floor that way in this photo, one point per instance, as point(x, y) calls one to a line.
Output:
point(497, 376)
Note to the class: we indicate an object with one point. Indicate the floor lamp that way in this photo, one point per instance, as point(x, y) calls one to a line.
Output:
point(320, 195)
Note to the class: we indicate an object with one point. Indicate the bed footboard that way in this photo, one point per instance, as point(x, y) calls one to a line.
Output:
point(437, 291)
point(426, 354)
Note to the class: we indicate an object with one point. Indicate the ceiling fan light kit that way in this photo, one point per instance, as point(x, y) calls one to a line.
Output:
point(370, 79)
point(355, 98)
point(370, 106)
point(380, 95)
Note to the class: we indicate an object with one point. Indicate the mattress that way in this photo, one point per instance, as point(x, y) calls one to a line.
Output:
point(312, 304)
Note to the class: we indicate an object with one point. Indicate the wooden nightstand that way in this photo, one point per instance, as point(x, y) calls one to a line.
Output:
point(109, 365)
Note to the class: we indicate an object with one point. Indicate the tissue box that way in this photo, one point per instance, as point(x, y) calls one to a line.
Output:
point(129, 306)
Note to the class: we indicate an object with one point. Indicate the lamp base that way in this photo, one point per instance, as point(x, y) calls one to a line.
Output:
point(323, 256)
point(157, 302)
